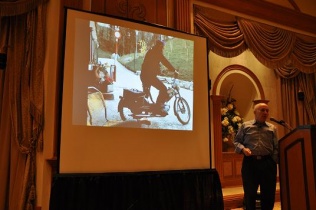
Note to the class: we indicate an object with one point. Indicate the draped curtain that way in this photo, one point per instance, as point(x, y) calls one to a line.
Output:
point(292, 56)
point(22, 27)
point(166, 190)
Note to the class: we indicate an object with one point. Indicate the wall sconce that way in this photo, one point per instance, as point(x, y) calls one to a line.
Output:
point(3, 61)
point(300, 95)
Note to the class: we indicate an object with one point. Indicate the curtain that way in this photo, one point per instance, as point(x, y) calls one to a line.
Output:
point(167, 190)
point(272, 46)
point(18, 7)
point(22, 27)
point(305, 108)
point(292, 56)
point(224, 38)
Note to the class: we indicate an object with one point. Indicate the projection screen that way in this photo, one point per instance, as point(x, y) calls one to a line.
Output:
point(109, 123)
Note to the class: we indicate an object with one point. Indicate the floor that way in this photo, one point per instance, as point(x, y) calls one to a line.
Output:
point(239, 190)
point(277, 206)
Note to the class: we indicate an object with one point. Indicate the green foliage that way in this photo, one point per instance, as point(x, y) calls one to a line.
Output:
point(103, 54)
point(143, 48)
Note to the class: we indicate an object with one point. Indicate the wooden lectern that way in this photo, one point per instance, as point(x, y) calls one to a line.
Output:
point(297, 168)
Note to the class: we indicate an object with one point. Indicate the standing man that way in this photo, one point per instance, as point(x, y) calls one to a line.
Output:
point(151, 68)
point(257, 141)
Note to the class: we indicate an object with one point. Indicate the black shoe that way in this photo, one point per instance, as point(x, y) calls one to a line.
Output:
point(161, 110)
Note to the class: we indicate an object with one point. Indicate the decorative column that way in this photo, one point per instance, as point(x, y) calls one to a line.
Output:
point(182, 15)
point(217, 130)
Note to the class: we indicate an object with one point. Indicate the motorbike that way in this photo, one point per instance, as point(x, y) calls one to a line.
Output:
point(136, 104)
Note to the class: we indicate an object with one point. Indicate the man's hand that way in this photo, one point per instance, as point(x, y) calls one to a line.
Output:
point(246, 151)
point(176, 73)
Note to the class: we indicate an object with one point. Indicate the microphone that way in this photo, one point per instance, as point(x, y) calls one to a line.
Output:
point(281, 122)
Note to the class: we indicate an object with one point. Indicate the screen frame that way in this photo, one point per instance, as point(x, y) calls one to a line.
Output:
point(205, 164)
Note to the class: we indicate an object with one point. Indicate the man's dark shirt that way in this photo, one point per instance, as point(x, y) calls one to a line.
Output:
point(151, 64)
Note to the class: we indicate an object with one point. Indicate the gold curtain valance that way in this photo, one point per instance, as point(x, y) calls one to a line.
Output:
point(304, 55)
point(270, 45)
point(18, 7)
point(287, 71)
point(286, 52)
point(225, 38)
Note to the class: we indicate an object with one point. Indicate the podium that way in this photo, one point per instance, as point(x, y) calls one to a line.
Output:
point(297, 168)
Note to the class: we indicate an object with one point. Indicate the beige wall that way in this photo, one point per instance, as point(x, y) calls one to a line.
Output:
point(265, 75)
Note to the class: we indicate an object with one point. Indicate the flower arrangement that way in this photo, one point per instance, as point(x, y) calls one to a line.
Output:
point(231, 120)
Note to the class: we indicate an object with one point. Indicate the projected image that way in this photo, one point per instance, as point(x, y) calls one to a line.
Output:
point(137, 79)
point(135, 97)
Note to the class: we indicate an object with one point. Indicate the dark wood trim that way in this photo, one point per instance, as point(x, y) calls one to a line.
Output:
point(231, 171)
point(293, 3)
point(161, 16)
point(297, 168)
point(53, 162)
point(217, 130)
point(266, 12)
point(76, 4)
point(153, 12)
point(98, 6)
point(240, 68)
point(182, 15)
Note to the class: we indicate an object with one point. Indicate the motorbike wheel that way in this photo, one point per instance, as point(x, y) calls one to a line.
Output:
point(182, 110)
point(125, 112)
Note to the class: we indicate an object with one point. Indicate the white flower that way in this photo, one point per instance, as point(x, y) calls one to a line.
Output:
point(230, 106)
point(225, 122)
point(223, 111)
point(231, 129)
point(231, 120)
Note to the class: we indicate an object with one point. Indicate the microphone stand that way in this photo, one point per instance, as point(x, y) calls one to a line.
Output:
point(283, 123)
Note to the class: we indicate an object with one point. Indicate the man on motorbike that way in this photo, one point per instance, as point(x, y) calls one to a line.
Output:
point(151, 69)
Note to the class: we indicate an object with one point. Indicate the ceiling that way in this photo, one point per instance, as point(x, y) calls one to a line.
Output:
point(302, 6)
point(298, 16)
